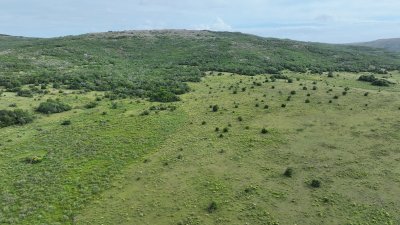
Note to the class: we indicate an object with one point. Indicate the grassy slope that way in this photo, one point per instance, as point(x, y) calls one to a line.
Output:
point(79, 160)
point(350, 147)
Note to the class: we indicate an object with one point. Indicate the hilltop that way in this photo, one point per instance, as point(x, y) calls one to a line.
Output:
point(392, 44)
point(155, 64)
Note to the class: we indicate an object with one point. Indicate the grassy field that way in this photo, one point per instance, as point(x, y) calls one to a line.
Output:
point(113, 165)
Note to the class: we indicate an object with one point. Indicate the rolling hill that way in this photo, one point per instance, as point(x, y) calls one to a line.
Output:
point(392, 44)
point(156, 64)
point(197, 128)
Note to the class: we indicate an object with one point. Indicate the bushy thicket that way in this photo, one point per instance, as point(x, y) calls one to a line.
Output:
point(374, 81)
point(14, 117)
point(52, 106)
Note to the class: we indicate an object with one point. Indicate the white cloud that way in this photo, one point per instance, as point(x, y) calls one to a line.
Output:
point(218, 25)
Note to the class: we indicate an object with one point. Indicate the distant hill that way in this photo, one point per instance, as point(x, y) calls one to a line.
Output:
point(157, 64)
point(392, 44)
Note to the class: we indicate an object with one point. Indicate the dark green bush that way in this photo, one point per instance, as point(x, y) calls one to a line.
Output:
point(215, 108)
point(91, 105)
point(33, 159)
point(264, 131)
point(315, 183)
point(25, 93)
point(14, 117)
point(66, 122)
point(288, 172)
point(381, 82)
point(53, 106)
point(212, 207)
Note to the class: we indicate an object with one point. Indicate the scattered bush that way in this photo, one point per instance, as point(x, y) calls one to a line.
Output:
point(144, 113)
point(212, 207)
point(288, 172)
point(66, 122)
point(381, 82)
point(315, 183)
point(215, 108)
point(91, 105)
point(33, 159)
point(25, 93)
point(264, 131)
point(14, 117)
point(53, 106)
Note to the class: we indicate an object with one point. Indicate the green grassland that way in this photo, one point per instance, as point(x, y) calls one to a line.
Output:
point(115, 165)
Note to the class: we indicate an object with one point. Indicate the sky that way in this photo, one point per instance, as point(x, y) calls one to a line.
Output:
point(331, 21)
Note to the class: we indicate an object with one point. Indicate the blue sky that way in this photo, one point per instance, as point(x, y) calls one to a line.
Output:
point(333, 21)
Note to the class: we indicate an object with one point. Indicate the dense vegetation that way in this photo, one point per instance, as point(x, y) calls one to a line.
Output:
point(155, 64)
point(53, 106)
point(14, 117)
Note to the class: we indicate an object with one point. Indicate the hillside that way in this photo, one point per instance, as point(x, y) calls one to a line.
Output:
point(156, 64)
point(392, 44)
point(265, 132)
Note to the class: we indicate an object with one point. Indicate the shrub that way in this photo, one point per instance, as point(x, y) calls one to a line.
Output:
point(264, 131)
point(240, 118)
point(344, 93)
point(367, 78)
point(304, 88)
point(212, 207)
point(288, 172)
point(25, 93)
point(283, 105)
point(314, 88)
point(381, 82)
point(215, 108)
point(91, 105)
point(216, 129)
point(14, 117)
point(315, 183)
point(366, 93)
point(12, 105)
point(66, 122)
point(330, 74)
point(247, 127)
point(307, 101)
point(225, 130)
point(33, 159)
point(293, 92)
point(266, 106)
point(203, 123)
point(52, 106)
